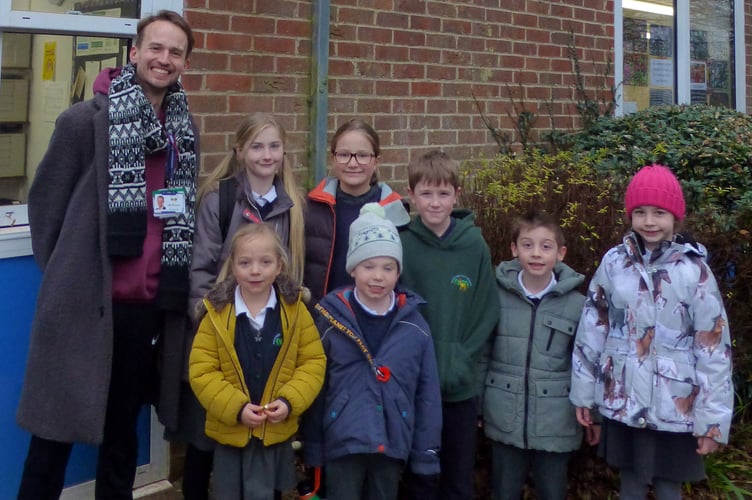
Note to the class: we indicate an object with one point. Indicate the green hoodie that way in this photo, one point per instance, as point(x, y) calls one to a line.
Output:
point(456, 278)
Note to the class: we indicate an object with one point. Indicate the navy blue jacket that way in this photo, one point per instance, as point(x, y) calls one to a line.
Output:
point(356, 412)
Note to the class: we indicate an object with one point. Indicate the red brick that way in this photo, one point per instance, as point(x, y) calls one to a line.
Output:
point(524, 20)
point(281, 8)
point(370, 105)
point(272, 84)
point(354, 50)
point(441, 41)
point(338, 67)
point(297, 65)
point(374, 35)
point(455, 57)
point(408, 105)
point(408, 71)
point(373, 69)
point(355, 86)
point(222, 42)
point(425, 89)
point(208, 21)
point(442, 10)
point(296, 28)
point(441, 72)
point(410, 38)
point(411, 6)
point(244, 103)
point(214, 143)
point(409, 138)
point(223, 82)
point(390, 53)
point(341, 104)
point(420, 121)
point(206, 103)
point(192, 82)
point(390, 122)
point(354, 16)
point(253, 63)
point(471, 44)
point(425, 23)
point(275, 45)
point(440, 106)
point(251, 25)
point(424, 55)
point(442, 137)
point(392, 88)
point(392, 20)
point(206, 61)
point(459, 27)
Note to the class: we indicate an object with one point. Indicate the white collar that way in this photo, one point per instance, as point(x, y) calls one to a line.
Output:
point(241, 308)
point(371, 311)
point(540, 294)
point(263, 199)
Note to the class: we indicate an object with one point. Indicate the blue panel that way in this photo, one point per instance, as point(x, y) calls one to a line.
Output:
point(19, 282)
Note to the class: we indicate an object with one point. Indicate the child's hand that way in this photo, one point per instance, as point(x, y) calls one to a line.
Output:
point(706, 445)
point(584, 417)
point(593, 434)
point(276, 411)
point(252, 415)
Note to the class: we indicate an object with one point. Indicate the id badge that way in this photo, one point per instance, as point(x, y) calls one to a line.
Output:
point(168, 202)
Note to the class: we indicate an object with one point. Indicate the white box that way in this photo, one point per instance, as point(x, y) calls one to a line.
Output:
point(14, 99)
point(13, 155)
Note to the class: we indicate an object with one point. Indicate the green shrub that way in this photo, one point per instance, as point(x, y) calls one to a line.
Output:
point(501, 188)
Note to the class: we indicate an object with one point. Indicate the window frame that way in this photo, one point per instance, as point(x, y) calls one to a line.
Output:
point(76, 24)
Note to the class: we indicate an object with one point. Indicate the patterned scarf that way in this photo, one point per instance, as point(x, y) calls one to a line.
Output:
point(135, 132)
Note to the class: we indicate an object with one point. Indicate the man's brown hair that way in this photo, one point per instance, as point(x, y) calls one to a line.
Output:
point(170, 17)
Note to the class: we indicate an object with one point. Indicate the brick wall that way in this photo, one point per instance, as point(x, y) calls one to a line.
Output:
point(410, 67)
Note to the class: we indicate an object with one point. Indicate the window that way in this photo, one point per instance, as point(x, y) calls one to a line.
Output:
point(673, 52)
point(51, 52)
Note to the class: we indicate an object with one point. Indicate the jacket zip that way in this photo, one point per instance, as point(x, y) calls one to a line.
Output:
point(235, 365)
point(527, 374)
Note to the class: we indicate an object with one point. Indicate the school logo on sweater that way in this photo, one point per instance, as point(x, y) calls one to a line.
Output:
point(462, 282)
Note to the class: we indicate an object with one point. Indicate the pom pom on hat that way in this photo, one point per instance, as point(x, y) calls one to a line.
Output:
point(372, 235)
point(655, 185)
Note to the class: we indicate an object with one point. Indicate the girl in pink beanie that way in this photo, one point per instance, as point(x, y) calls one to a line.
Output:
point(652, 354)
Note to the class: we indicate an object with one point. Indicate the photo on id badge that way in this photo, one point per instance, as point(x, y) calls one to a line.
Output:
point(168, 202)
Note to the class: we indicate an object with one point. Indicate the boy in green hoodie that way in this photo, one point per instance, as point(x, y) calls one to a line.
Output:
point(447, 262)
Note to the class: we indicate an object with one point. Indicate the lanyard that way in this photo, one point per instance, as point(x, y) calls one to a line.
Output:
point(172, 153)
point(382, 372)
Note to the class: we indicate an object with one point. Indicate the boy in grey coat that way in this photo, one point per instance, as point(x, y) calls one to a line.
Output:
point(526, 409)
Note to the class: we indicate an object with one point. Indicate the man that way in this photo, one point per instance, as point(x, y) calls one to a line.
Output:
point(114, 288)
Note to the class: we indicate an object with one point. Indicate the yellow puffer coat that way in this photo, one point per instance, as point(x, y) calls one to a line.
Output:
point(217, 378)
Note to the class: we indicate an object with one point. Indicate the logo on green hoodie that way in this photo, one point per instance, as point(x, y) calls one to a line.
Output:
point(462, 282)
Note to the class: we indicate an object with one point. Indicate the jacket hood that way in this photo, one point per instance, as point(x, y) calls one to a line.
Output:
point(456, 239)
point(567, 279)
point(390, 200)
point(337, 302)
point(103, 80)
point(666, 251)
point(224, 293)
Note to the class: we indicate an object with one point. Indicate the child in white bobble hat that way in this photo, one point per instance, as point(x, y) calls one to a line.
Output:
point(380, 408)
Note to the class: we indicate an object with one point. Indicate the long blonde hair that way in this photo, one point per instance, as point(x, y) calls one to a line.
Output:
point(248, 129)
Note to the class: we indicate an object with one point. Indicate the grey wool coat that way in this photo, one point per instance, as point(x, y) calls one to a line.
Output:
point(64, 396)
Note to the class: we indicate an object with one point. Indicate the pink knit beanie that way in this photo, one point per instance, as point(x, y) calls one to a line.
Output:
point(655, 185)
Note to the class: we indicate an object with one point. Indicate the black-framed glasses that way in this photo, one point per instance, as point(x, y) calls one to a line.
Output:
point(344, 157)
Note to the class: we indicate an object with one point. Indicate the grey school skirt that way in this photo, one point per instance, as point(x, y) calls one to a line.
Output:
point(650, 453)
point(253, 472)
